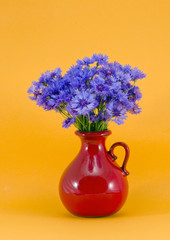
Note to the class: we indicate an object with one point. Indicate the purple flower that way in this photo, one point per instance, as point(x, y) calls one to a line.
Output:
point(134, 94)
point(67, 123)
point(127, 68)
point(122, 77)
point(137, 74)
point(120, 120)
point(135, 109)
point(83, 102)
point(99, 86)
point(116, 110)
point(100, 58)
point(93, 91)
point(87, 60)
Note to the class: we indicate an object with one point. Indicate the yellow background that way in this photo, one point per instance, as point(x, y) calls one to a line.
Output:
point(37, 35)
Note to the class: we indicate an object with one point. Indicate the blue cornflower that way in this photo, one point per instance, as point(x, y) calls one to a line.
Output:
point(87, 60)
point(135, 94)
point(36, 86)
point(83, 102)
point(115, 110)
point(105, 70)
point(95, 88)
point(80, 62)
point(120, 120)
point(99, 86)
point(35, 90)
point(57, 72)
point(135, 109)
point(67, 122)
point(127, 68)
point(137, 74)
point(117, 67)
point(114, 85)
point(100, 58)
point(122, 77)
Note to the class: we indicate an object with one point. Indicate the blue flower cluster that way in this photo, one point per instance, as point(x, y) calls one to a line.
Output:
point(91, 93)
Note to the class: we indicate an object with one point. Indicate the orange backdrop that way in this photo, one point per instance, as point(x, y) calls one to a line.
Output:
point(41, 35)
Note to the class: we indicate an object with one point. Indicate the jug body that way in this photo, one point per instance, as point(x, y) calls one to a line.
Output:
point(94, 185)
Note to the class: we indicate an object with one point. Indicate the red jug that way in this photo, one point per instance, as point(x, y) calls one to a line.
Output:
point(94, 185)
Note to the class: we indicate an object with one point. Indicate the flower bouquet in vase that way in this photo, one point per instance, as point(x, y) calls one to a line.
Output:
point(90, 95)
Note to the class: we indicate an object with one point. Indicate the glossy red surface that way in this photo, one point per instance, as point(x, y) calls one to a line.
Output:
point(93, 184)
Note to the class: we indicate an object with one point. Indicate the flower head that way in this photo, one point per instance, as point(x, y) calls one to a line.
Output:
point(91, 93)
point(82, 103)
point(99, 86)
point(67, 123)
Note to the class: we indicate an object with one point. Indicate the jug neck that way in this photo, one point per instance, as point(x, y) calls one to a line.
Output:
point(93, 138)
point(93, 152)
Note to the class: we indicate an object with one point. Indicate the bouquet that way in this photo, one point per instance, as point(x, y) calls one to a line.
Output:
point(91, 93)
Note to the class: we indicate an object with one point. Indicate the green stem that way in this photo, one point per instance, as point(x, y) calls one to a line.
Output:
point(89, 121)
point(63, 115)
point(100, 105)
point(83, 122)
point(77, 118)
point(97, 65)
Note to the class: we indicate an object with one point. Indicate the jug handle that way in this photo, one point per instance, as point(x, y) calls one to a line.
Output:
point(127, 151)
